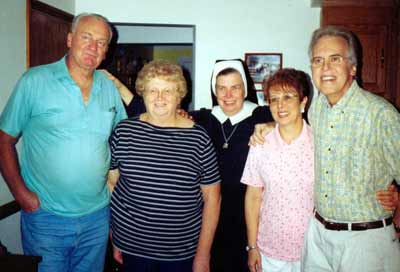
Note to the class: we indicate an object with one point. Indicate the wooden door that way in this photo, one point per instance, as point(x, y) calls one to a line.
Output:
point(48, 28)
point(375, 28)
point(372, 66)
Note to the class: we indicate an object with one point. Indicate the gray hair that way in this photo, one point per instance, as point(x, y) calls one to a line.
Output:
point(335, 31)
point(79, 17)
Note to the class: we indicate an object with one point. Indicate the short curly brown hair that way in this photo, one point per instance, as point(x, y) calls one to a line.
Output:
point(162, 69)
point(288, 78)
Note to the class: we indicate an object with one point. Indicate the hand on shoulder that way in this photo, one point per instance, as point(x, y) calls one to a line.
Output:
point(260, 131)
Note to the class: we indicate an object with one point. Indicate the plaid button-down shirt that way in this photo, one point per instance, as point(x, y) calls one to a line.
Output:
point(357, 152)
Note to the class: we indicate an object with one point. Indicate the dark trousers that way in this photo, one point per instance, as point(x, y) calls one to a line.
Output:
point(139, 264)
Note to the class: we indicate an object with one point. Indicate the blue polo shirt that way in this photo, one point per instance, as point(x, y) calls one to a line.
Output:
point(65, 153)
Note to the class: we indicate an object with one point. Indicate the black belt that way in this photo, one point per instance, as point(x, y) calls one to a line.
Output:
point(353, 226)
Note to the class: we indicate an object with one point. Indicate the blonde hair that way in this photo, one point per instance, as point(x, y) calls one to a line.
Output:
point(162, 69)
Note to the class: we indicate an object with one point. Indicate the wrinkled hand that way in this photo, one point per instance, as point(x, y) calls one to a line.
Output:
point(117, 254)
point(124, 92)
point(184, 114)
point(389, 199)
point(396, 222)
point(396, 219)
point(254, 261)
point(115, 80)
point(28, 201)
point(201, 264)
point(260, 130)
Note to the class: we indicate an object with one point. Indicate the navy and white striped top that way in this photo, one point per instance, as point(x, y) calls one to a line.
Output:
point(156, 207)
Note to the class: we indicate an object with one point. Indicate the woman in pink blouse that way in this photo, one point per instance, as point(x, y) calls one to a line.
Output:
point(280, 176)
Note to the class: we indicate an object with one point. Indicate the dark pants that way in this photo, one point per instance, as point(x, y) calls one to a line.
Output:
point(139, 264)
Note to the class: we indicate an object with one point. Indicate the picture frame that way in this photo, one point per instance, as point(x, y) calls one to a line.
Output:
point(261, 65)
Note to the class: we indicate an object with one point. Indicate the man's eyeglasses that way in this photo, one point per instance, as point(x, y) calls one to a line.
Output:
point(333, 60)
point(284, 99)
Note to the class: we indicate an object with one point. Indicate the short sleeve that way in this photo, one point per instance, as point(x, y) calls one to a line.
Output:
point(17, 111)
point(252, 169)
point(119, 107)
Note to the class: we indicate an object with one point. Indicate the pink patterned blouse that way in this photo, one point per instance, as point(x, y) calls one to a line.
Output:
point(286, 173)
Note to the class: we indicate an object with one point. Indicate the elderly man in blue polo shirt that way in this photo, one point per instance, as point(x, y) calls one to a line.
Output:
point(64, 112)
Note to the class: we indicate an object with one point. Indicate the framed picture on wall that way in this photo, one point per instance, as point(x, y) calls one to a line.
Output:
point(262, 65)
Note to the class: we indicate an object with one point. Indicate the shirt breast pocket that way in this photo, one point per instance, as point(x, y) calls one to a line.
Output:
point(104, 122)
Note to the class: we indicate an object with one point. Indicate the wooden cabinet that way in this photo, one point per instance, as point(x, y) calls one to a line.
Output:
point(376, 25)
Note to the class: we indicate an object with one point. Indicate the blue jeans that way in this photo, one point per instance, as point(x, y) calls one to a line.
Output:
point(66, 244)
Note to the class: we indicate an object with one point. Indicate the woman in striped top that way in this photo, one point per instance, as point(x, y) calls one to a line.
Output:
point(165, 206)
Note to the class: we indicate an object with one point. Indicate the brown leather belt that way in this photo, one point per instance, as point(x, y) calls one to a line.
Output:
point(353, 226)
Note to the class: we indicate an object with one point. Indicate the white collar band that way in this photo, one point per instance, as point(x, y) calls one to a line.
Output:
point(246, 111)
point(222, 65)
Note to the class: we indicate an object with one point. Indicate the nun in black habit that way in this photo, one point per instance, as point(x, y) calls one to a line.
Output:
point(230, 124)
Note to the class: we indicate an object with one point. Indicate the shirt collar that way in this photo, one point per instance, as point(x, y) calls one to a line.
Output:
point(61, 72)
point(302, 136)
point(347, 97)
point(61, 69)
point(246, 111)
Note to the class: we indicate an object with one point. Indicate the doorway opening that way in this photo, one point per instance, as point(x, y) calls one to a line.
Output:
point(134, 45)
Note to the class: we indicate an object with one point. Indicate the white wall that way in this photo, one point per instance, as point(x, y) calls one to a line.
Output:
point(13, 57)
point(65, 5)
point(223, 29)
point(155, 34)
